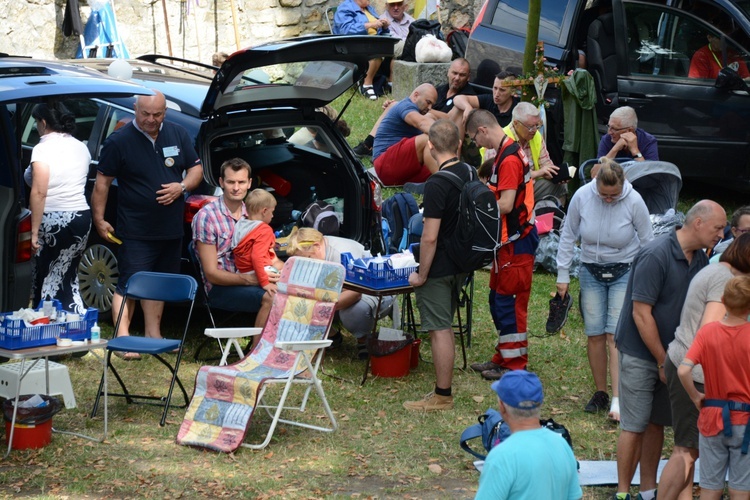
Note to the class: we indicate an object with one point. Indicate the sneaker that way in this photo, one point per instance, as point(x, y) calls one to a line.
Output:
point(369, 92)
point(639, 497)
point(558, 312)
point(431, 402)
point(494, 374)
point(361, 150)
point(481, 367)
point(621, 496)
point(598, 402)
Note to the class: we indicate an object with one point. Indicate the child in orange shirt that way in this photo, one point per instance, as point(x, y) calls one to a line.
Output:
point(722, 349)
point(253, 239)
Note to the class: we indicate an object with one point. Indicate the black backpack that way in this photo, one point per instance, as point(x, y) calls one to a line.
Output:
point(457, 40)
point(321, 216)
point(397, 210)
point(477, 235)
point(417, 30)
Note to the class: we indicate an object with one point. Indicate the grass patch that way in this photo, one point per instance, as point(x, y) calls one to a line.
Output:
point(380, 450)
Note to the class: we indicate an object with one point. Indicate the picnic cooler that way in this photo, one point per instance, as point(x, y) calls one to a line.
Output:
point(33, 427)
point(15, 333)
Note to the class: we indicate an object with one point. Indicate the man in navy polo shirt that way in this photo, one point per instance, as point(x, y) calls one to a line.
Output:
point(149, 158)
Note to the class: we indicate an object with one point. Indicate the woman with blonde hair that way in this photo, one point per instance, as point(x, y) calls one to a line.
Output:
point(612, 223)
point(356, 312)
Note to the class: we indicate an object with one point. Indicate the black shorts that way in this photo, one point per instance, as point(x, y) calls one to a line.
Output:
point(162, 256)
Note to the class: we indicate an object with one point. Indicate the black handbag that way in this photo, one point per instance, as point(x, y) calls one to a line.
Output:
point(607, 273)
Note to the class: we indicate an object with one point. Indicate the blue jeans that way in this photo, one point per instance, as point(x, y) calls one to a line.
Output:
point(601, 302)
point(236, 298)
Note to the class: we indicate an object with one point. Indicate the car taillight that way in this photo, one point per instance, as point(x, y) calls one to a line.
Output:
point(195, 202)
point(377, 195)
point(23, 240)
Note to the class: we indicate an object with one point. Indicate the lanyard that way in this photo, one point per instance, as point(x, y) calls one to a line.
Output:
point(715, 58)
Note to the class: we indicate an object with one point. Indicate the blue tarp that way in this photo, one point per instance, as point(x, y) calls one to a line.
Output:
point(100, 34)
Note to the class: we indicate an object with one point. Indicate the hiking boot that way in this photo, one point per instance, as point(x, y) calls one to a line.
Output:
point(481, 367)
point(598, 402)
point(495, 373)
point(621, 496)
point(431, 402)
point(361, 150)
point(558, 312)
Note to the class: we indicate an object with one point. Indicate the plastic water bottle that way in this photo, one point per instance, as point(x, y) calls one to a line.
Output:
point(96, 334)
point(296, 214)
point(313, 194)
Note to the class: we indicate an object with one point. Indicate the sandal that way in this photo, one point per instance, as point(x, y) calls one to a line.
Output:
point(369, 92)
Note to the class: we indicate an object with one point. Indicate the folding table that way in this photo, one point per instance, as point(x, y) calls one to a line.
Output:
point(34, 355)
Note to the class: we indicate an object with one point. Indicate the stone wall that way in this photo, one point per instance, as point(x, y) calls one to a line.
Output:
point(196, 28)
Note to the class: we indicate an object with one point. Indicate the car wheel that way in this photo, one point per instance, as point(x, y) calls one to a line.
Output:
point(97, 277)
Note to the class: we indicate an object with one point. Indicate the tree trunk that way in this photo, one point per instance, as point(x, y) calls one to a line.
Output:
point(532, 35)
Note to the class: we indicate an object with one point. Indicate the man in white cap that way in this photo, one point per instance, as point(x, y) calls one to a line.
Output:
point(512, 470)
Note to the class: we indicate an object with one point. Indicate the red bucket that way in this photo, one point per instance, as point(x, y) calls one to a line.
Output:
point(27, 437)
point(394, 365)
point(415, 353)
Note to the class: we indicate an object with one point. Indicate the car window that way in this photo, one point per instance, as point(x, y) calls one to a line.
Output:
point(85, 111)
point(315, 75)
point(512, 16)
point(670, 44)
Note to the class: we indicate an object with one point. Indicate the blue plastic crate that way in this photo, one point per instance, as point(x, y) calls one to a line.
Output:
point(14, 334)
point(377, 276)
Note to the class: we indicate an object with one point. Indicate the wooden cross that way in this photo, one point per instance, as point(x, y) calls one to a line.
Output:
point(539, 82)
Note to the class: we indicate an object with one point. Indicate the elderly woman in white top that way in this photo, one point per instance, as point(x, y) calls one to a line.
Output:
point(612, 222)
point(60, 215)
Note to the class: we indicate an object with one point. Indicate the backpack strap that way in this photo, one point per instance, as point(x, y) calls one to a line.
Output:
point(454, 179)
point(727, 406)
point(406, 207)
point(471, 432)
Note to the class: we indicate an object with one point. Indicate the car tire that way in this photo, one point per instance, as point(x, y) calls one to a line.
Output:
point(97, 276)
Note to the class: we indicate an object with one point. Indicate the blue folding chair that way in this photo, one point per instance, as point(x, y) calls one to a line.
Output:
point(152, 286)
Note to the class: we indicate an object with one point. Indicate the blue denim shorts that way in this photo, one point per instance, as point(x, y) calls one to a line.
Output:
point(601, 302)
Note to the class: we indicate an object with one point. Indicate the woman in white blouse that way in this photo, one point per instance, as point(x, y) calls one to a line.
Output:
point(60, 215)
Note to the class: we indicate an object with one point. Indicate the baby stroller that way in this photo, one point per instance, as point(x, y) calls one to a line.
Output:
point(658, 182)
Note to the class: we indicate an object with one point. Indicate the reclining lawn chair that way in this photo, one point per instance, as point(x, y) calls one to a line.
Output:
point(289, 352)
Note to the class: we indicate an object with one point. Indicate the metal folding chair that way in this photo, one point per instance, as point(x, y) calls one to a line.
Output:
point(152, 286)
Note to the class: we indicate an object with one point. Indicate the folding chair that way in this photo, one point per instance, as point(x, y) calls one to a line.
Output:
point(228, 335)
point(152, 286)
point(330, 14)
point(290, 351)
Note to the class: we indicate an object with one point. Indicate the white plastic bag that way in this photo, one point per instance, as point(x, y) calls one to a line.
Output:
point(431, 50)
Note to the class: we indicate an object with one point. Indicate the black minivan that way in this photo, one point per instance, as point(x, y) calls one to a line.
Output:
point(640, 53)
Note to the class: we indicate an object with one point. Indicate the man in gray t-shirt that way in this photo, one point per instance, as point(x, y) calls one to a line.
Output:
point(656, 291)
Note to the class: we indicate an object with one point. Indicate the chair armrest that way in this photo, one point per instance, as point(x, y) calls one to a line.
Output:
point(232, 333)
point(302, 345)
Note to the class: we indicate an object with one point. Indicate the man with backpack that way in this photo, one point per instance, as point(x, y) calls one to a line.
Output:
point(510, 278)
point(438, 280)
point(512, 470)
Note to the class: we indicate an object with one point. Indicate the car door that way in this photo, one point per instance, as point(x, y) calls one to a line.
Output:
point(24, 82)
point(699, 127)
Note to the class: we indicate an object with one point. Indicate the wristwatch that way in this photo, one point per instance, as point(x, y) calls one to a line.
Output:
point(184, 189)
point(638, 155)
